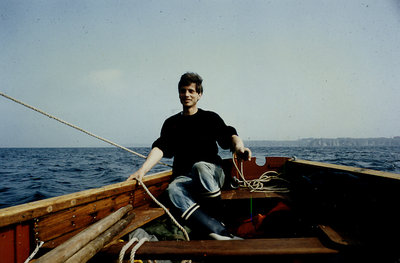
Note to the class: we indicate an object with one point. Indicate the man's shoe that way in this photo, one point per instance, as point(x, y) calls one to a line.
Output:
point(216, 230)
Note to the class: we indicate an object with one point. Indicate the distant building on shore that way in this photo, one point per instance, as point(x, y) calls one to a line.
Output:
point(328, 142)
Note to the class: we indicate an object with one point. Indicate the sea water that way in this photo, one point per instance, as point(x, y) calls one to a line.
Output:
point(30, 174)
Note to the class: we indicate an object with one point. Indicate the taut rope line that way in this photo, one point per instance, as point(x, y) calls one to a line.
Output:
point(166, 211)
point(109, 142)
point(76, 127)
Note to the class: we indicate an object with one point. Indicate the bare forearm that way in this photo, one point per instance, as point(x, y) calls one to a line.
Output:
point(153, 158)
point(239, 148)
point(237, 143)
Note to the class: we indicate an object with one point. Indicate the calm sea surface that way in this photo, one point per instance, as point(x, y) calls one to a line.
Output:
point(30, 174)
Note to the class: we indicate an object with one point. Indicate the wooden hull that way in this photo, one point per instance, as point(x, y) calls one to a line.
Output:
point(343, 211)
point(55, 220)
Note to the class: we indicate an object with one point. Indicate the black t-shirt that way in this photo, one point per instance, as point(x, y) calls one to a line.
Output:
point(193, 138)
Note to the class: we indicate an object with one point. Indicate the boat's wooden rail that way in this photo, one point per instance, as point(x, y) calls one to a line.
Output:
point(55, 220)
point(312, 165)
point(28, 211)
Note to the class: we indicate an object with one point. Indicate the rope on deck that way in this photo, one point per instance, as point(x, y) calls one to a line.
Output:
point(258, 185)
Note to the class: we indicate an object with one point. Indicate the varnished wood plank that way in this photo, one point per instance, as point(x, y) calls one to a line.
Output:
point(67, 249)
point(22, 238)
point(28, 211)
point(244, 193)
point(55, 236)
point(7, 244)
point(236, 248)
point(252, 170)
point(54, 225)
point(141, 197)
point(88, 251)
point(143, 215)
point(333, 236)
point(355, 170)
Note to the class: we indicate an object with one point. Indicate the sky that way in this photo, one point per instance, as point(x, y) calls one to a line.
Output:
point(275, 70)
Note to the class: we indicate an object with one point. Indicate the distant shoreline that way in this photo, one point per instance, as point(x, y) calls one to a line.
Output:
point(306, 142)
point(327, 142)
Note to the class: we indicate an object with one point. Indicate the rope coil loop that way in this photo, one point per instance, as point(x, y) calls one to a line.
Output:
point(258, 185)
point(136, 247)
point(125, 248)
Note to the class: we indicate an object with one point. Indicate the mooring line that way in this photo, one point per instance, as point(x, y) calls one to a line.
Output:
point(77, 128)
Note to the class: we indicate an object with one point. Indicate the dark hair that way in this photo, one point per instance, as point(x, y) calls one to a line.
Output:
point(190, 77)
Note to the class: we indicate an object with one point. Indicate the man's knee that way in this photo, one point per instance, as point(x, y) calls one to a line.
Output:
point(201, 169)
point(173, 188)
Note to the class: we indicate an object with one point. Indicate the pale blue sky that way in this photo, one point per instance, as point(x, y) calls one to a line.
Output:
point(275, 70)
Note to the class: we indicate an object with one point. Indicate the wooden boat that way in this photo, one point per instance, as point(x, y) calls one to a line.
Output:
point(331, 213)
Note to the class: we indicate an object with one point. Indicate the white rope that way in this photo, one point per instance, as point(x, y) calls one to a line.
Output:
point(38, 245)
point(166, 211)
point(125, 247)
point(76, 127)
point(169, 214)
point(258, 185)
point(114, 144)
point(136, 247)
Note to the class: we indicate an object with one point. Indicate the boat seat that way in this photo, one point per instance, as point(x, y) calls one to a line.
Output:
point(233, 249)
point(244, 193)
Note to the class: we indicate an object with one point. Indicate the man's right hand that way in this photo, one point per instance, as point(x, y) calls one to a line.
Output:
point(138, 175)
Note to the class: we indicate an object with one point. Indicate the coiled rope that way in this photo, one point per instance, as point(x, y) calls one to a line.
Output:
point(259, 185)
point(134, 249)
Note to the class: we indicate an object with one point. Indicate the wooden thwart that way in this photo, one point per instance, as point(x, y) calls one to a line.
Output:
point(200, 249)
point(244, 193)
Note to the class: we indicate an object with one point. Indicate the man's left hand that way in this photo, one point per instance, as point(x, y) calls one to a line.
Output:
point(244, 153)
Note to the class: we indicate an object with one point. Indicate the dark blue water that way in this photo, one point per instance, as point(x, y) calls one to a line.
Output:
point(37, 173)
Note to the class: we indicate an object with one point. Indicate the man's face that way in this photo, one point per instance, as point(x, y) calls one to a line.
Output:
point(189, 96)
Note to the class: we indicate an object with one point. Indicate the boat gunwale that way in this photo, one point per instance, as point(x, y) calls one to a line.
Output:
point(25, 212)
point(346, 168)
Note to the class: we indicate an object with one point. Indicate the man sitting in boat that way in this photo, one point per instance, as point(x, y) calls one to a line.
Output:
point(191, 137)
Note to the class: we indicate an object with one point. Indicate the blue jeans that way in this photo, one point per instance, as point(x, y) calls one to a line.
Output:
point(204, 181)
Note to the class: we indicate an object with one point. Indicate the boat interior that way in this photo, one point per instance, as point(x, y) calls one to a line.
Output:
point(312, 212)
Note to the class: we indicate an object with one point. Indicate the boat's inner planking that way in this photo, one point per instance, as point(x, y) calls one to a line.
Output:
point(330, 209)
point(54, 220)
